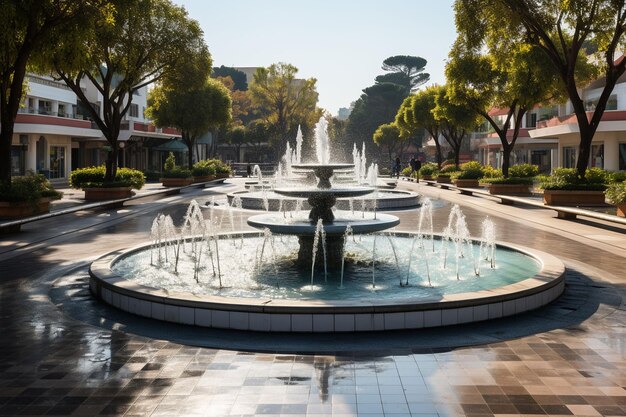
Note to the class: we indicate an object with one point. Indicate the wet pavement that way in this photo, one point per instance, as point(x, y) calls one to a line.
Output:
point(64, 353)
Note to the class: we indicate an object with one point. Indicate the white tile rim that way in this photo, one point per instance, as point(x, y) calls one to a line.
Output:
point(536, 291)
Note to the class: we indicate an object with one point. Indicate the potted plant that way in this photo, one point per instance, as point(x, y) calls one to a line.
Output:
point(469, 175)
point(616, 195)
point(445, 174)
point(173, 175)
point(427, 171)
point(222, 170)
point(203, 171)
point(27, 196)
point(519, 182)
point(565, 188)
point(91, 180)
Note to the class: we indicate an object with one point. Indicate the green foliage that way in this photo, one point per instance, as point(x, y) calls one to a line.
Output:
point(568, 179)
point(448, 169)
point(508, 180)
point(616, 193)
point(239, 78)
point(491, 172)
point(472, 170)
point(428, 169)
point(524, 171)
point(618, 176)
point(388, 137)
point(170, 162)
point(94, 177)
point(203, 168)
point(28, 188)
point(406, 71)
point(177, 172)
point(219, 166)
point(406, 172)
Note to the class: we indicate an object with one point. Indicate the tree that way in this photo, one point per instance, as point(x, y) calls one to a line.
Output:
point(564, 31)
point(240, 81)
point(481, 80)
point(416, 113)
point(147, 40)
point(283, 102)
point(405, 70)
point(241, 102)
point(377, 106)
point(455, 121)
point(388, 137)
point(193, 111)
point(32, 28)
point(237, 137)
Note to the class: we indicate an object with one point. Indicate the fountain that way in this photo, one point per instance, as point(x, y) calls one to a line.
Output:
point(325, 270)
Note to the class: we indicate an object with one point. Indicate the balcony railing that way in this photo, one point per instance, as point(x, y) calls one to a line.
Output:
point(46, 112)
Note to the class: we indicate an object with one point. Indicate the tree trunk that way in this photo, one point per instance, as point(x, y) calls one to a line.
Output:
point(457, 150)
point(6, 135)
point(506, 159)
point(111, 164)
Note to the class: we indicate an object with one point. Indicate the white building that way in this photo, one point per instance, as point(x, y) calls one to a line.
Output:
point(54, 135)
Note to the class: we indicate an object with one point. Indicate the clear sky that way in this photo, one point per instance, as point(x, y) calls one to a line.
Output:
point(341, 43)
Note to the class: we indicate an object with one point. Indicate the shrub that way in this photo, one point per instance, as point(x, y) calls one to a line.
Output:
point(524, 171)
point(491, 172)
point(470, 171)
point(29, 188)
point(406, 172)
point(93, 177)
point(618, 176)
point(448, 169)
point(567, 179)
point(177, 172)
point(596, 176)
point(508, 180)
point(428, 169)
point(170, 162)
point(616, 193)
point(203, 169)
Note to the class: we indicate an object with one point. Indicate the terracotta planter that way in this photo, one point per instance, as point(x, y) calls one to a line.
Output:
point(427, 177)
point(103, 194)
point(466, 183)
point(17, 209)
point(509, 189)
point(621, 210)
point(220, 176)
point(176, 182)
point(443, 180)
point(204, 178)
point(573, 198)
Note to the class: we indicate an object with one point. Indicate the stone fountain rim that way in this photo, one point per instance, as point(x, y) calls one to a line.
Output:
point(535, 291)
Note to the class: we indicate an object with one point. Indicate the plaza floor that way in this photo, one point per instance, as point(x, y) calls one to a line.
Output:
point(64, 353)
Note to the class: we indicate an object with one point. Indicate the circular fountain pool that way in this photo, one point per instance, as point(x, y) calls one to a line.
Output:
point(276, 295)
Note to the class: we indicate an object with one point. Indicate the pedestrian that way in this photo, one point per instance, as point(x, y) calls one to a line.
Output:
point(249, 170)
point(397, 167)
point(413, 164)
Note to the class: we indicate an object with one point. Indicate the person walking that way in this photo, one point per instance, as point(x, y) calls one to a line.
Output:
point(397, 167)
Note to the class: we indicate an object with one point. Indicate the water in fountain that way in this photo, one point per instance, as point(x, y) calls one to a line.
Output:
point(360, 164)
point(322, 146)
point(299, 140)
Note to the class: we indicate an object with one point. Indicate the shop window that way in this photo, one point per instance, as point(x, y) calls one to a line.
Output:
point(18, 154)
point(569, 157)
point(597, 156)
point(57, 162)
point(622, 156)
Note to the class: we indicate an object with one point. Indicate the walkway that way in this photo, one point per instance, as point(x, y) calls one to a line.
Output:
point(62, 353)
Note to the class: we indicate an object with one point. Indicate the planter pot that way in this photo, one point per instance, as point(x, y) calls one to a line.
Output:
point(621, 210)
point(427, 177)
point(443, 180)
point(176, 182)
point(17, 209)
point(509, 189)
point(204, 178)
point(573, 198)
point(466, 183)
point(102, 194)
point(220, 176)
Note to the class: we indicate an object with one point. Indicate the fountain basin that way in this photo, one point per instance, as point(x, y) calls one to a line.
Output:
point(328, 315)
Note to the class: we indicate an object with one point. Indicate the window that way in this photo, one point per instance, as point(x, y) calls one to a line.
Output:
point(57, 162)
point(597, 156)
point(134, 110)
point(45, 107)
point(569, 157)
point(17, 160)
point(61, 111)
point(622, 156)
point(531, 120)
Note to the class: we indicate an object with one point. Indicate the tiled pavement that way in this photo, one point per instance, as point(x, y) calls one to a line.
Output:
point(58, 356)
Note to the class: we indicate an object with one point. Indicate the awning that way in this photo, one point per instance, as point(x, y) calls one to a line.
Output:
point(172, 146)
point(206, 139)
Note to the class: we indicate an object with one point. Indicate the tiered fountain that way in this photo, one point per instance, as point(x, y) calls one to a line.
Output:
point(322, 199)
point(372, 279)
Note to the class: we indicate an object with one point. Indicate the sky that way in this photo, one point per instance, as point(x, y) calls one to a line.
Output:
point(341, 43)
